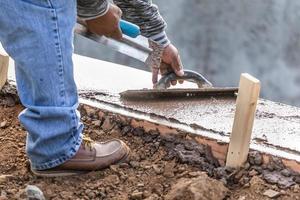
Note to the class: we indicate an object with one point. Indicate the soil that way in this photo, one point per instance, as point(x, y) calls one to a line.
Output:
point(153, 172)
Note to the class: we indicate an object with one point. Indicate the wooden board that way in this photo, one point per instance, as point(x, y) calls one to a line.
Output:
point(4, 60)
point(240, 137)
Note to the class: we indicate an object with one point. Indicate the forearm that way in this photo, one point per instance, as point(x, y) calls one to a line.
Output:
point(146, 16)
point(90, 9)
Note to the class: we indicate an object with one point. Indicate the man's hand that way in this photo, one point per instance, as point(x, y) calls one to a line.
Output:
point(107, 24)
point(171, 62)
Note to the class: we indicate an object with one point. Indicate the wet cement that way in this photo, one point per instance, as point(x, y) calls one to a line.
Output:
point(277, 126)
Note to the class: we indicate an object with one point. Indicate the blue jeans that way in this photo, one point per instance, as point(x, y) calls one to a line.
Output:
point(38, 35)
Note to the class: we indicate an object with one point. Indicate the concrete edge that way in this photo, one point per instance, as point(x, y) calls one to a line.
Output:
point(219, 144)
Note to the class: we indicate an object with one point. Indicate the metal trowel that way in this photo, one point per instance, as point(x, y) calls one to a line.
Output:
point(132, 45)
point(160, 91)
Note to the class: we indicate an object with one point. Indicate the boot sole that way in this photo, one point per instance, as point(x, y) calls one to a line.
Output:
point(60, 173)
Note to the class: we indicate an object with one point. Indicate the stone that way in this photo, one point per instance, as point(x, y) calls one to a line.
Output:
point(276, 177)
point(124, 165)
point(89, 111)
point(107, 124)
point(134, 164)
point(169, 169)
point(4, 178)
point(286, 172)
point(3, 124)
point(138, 132)
point(242, 198)
point(255, 158)
point(158, 169)
point(199, 188)
point(253, 172)
point(34, 193)
point(296, 188)
point(271, 193)
point(96, 122)
point(3, 195)
point(297, 179)
point(153, 197)
point(136, 195)
point(126, 130)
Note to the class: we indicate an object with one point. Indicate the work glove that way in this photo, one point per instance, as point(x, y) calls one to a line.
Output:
point(164, 60)
point(107, 24)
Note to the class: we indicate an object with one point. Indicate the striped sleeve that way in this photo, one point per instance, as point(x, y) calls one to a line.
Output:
point(146, 15)
point(90, 9)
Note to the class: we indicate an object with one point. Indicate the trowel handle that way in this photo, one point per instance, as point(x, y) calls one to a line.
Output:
point(189, 75)
point(129, 29)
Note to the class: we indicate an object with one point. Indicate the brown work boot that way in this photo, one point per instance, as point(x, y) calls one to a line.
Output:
point(90, 156)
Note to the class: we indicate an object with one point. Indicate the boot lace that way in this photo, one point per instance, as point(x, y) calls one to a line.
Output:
point(87, 142)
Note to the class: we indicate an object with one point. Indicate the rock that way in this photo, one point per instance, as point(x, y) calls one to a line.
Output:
point(138, 132)
point(276, 163)
point(34, 193)
point(107, 124)
point(195, 174)
point(64, 194)
point(276, 177)
point(91, 195)
point(136, 195)
point(112, 179)
point(297, 179)
point(242, 198)
point(96, 122)
point(153, 197)
point(296, 188)
point(253, 172)
point(169, 169)
point(286, 172)
point(255, 158)
point(4, 178)
point(200, 188)
point(3, 124)
point(158, 169)
point(271, 193)
point(124, 165)
point(158, 189)
point(89, 111)
point(114, 168)
point(126, 130)
point(3, 195)
point(134, 164)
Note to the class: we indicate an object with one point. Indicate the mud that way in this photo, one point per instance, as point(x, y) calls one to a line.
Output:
point(188, 151)
point(158, 165)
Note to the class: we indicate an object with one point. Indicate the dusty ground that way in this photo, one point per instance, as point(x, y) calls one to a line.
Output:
point(151, 174)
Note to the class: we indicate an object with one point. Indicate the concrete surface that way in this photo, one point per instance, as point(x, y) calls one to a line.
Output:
point(276, 125)
point(276, 128)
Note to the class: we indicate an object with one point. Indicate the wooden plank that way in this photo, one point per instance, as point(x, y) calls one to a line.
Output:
point(249, 88)
point(4, 61)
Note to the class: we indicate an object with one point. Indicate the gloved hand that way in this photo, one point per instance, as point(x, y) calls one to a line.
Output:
point(108, 24)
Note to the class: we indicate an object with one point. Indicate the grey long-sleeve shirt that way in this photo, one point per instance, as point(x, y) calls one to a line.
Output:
point(140, 12)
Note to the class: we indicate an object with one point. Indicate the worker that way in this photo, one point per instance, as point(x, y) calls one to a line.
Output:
point(38, 35)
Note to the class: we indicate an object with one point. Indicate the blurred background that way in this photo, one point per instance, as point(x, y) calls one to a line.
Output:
point(222, 39)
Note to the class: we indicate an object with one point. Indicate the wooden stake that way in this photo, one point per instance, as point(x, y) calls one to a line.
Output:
point(3, 69)
point(240, 137)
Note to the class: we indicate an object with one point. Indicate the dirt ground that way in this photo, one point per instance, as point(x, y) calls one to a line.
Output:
point(150, 174)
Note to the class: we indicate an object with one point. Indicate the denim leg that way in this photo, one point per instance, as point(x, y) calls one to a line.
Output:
point(38, 35)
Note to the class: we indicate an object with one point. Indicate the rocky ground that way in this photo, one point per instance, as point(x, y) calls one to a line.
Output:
point(158, 168)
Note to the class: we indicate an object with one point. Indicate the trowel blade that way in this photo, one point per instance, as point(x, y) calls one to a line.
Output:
point(134, 48)
point(154, 94)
